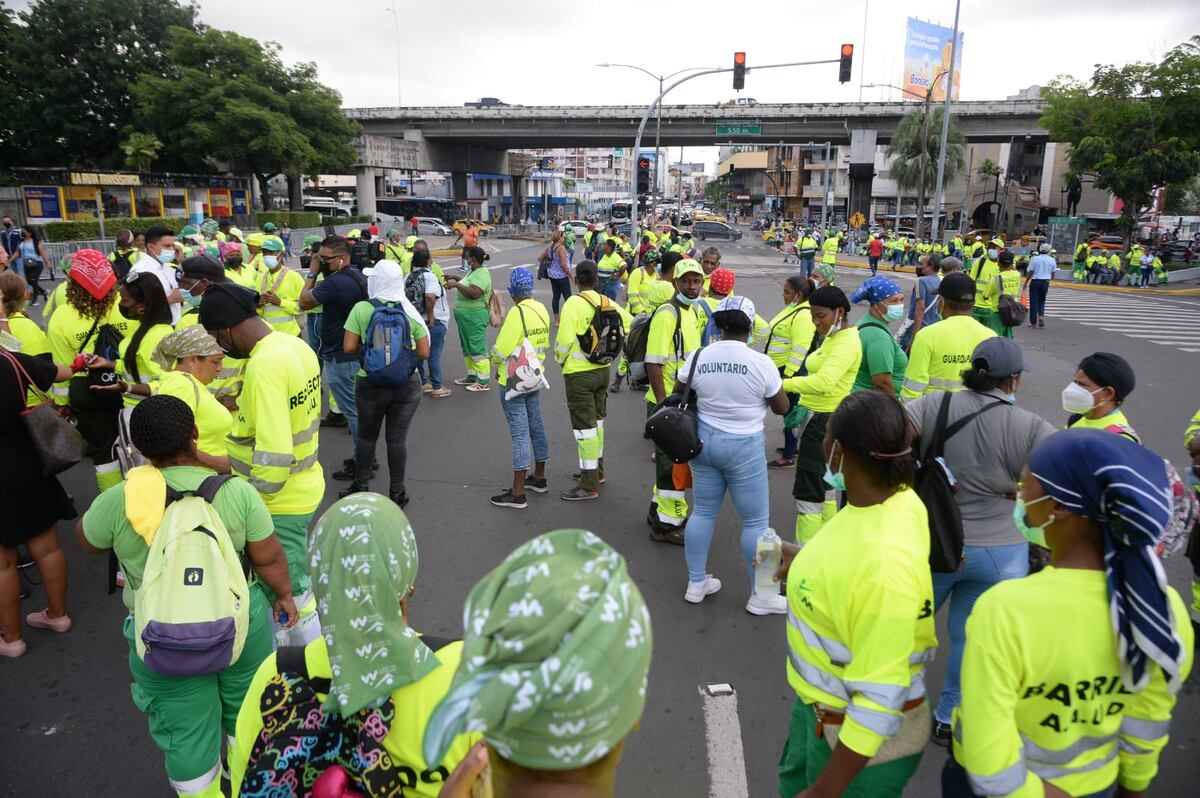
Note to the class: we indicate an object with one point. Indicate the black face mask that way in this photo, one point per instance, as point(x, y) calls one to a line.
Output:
point(127, 313)
point(8, 225)
point(230, 349)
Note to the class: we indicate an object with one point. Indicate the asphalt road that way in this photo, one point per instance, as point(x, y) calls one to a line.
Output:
point(71, 729)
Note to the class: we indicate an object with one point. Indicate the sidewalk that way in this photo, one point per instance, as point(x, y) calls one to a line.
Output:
point(1189, 288)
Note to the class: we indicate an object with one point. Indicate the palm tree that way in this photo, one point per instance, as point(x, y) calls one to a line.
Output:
point(914, 150)
point(141, 149)
point(990, 168)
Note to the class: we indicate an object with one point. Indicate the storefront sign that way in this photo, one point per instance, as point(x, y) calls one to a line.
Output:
point(104, 179)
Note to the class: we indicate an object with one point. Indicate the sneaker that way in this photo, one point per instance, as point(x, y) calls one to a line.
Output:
point(334, 420)
point(696, 591)
point(42, 620)
point(465, 380)
point(536, 485)
point(12, 648)
point(771, 605)
point(440, 393)
point(578, 475)
point(427, 388)
point(478, 387)
point(352, 488)
point(616, 385)
point(507, 499)
point(578, 495)
point(1041, 322)
point(940, 734)
point(399, 499)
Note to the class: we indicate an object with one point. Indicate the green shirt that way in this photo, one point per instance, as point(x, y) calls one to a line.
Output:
point(106, 527)
point(880, 355)
point(360, 319)
point(480, 278)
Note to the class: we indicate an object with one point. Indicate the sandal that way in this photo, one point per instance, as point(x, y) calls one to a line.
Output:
point(780, 463)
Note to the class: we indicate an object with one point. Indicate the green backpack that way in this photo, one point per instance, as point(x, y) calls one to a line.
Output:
point(192, 610)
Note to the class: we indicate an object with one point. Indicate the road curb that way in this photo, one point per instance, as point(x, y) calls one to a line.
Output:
point(1111, 289)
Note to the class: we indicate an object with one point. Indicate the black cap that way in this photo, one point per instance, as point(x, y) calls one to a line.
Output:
point(203, 267)
point(957, 287)
point(226, 305)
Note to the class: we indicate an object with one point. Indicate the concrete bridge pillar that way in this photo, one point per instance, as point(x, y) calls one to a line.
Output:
point(862, 171)
point(364, 180)
point(458, 186)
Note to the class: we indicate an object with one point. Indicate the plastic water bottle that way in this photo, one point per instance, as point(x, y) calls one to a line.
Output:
point(282, 635)
point(768, 553)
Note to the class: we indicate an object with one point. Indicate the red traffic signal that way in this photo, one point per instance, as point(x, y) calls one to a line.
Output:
point(739, 71)
point(844, 65)
point(643, 163)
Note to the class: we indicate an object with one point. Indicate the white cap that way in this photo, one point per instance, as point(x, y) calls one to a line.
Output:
point(741, 303)
point(1044, 249)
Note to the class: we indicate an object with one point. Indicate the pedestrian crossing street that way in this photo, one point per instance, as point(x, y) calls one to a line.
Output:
point(1166, 321)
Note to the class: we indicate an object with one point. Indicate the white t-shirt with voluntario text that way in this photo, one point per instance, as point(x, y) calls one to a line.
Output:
point(732, 384)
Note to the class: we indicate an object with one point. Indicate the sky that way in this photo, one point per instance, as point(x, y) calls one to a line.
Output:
point(539, 52)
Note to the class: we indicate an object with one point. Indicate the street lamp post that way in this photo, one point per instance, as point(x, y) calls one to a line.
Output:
point(658, 122)
point(396, 20)
point(941, 170)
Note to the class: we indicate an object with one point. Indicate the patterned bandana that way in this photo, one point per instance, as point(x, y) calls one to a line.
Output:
point(875, 290)
point(190, 340)
point(92, 270)
point(556, 652)
point(520, 282)
point(721, 281)
point(364, 560)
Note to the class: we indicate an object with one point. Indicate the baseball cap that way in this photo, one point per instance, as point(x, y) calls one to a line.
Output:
point(1044, 248)
point(1000, 356)
point(202, 267)
point(189, 230)
point(392, 232)
point(739, 303)
point(269, 227)
point(689, 266)
point(957, 287)
point(272, 244)
point(310, 240)
point(996, 242)
point(255, 240)
point(236, 231)
point(233, 248)
point(410, 242)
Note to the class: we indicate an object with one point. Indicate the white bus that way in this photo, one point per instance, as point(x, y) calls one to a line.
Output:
point(620, 212)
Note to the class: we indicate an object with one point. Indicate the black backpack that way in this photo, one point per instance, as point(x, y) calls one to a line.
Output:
point(936, 486)
point(601, 342)
point(121, 264)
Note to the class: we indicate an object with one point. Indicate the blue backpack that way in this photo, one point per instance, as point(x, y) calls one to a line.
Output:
point(389, 355)
point(711, 333)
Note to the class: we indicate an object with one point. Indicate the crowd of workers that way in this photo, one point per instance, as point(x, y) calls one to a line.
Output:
point(195, 370)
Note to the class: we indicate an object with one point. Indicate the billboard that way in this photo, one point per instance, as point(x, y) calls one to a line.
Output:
point(926, 55)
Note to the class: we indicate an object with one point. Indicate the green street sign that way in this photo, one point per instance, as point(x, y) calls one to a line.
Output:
point(739, 129)
point(1067, 220)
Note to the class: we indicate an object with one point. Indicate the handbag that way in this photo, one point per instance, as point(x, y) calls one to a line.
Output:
point(523, 368)
point(1012, 312)
point(543, 271)
point(935, 485)
point(58, 444)
point(675, 427)
point(495, 310)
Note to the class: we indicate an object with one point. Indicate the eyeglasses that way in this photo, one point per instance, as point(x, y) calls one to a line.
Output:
point(326, 261)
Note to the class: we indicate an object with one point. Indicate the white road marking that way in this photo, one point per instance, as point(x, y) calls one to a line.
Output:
point(723, 735)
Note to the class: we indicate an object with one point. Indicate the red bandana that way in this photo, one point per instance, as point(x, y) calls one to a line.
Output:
point(92, 270)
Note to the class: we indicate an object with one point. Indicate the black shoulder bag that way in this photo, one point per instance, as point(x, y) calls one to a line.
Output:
point(675, 427)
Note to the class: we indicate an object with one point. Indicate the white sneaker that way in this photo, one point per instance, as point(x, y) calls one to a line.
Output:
point(696, 591)
point(772, 605)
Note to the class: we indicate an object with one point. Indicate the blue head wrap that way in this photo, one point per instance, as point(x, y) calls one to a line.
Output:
point(876, 289)
point(1128, 490)
point(520, 282)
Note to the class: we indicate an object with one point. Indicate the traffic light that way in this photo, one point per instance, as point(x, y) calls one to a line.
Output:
point(739, 71)
point(844, 66)
point(643, 175)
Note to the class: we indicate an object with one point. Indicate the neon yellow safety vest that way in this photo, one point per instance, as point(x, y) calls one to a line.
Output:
point(287, 285)
point(939, 354)
point(831, 372)
point(273, 442)
point(829, 250)
point(789, 335)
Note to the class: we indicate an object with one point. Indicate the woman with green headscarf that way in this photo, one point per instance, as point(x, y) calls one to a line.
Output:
point(553, 671)
point(364, 691)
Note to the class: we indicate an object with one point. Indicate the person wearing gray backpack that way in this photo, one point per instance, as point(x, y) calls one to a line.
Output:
point(192, 663)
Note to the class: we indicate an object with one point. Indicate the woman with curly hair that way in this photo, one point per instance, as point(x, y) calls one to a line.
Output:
point(89, 322)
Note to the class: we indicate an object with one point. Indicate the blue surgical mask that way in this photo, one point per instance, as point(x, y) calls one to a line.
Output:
point(683, 300)
point(894, 313)
point(836, 481)
point(1034, 534)
point(993, 254)
point(166, 256)
point(188, 298)
point(271, 261)
point(1011, 397)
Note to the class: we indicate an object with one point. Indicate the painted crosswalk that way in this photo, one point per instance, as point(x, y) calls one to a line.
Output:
point(1166, 321)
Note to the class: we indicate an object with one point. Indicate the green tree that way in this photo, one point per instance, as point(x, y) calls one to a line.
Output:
point(141, 150)
point(255, 114)
point(71, 67)
point(1132, 129)
point(915, 147)
point(717, 190)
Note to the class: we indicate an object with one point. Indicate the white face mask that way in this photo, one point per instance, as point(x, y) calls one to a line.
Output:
point(1077, 399)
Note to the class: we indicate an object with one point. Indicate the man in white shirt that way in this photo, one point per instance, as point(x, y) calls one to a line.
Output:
point(1037, 280)
point(159, 260)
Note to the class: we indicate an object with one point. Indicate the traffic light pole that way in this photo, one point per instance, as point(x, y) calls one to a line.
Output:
point(635, 212)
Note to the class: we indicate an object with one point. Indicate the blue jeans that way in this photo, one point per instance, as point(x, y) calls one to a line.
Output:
point(437, 342)
point(312, 322)
point(342, 378)
point(983, 566)
point(524, 415)
point(727, 462)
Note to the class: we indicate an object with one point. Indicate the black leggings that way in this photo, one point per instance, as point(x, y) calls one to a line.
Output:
point(561, 287)
point(396, 406)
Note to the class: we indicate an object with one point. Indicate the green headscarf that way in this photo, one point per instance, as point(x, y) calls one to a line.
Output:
point(555, 656)
point(364, 560)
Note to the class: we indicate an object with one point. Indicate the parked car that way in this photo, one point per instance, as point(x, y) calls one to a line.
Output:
point(460, 225)
point(706, 230)
point(433, 227)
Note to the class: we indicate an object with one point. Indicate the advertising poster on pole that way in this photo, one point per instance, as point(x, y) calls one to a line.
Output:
point(927, 55)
